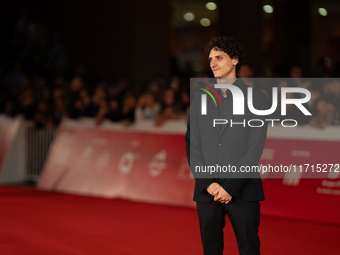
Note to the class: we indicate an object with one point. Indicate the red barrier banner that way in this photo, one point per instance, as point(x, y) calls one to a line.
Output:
point(296, 195)
point(139, 166)
point(152, 167)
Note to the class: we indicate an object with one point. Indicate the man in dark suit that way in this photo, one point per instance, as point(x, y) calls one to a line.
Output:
point(235, 144)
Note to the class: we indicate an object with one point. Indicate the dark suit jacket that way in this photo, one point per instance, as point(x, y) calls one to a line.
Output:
point(237, 146)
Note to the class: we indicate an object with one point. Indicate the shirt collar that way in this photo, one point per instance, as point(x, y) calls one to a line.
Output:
point(229, 94)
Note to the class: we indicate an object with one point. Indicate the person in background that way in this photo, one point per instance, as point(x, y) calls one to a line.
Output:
point(59, 108)
point(128, 110)
point(114, 110)
point(185, 104)
point(169, 110)
point(323, 114)
point(43, 115)
point(101, 112)
point(245, 73)
point(147, 108)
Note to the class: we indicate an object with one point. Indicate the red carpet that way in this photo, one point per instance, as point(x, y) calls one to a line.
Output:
point(37, 222)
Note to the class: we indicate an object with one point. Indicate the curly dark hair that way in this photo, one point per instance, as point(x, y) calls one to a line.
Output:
point(229, 45)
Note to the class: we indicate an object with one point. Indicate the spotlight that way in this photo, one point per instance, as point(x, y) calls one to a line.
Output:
point(211, 6)
point(268, 8)
point(322, 11)
point(205, 22)
point(189, 16)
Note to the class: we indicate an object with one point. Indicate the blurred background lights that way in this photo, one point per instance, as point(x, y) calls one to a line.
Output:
point(211, 6)
point(268, 8)
point(322, 11)
point(189, 16)
point(205, 22)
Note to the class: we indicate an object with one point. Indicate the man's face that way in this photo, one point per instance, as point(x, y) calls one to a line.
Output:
point(222, 65)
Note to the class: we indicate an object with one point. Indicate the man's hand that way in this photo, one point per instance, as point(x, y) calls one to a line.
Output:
point(212, 189)
point(222, 195)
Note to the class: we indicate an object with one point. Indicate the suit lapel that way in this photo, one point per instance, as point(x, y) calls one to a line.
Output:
point(213, 112)
point(229, 116)
point(229, 112)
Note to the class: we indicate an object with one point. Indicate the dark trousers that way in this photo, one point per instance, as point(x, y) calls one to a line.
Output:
point(244, 218)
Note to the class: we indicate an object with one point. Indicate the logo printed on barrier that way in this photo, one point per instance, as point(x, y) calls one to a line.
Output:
point(126, 162)
point(157, 164)
point(184, 172)
point(333, 174)
point(103, 160)
point(292, 178)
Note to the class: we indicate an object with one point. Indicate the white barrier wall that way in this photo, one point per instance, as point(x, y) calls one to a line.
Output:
point(12, 150)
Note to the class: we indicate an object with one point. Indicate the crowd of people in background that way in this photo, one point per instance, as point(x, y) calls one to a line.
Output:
point(33, 84)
